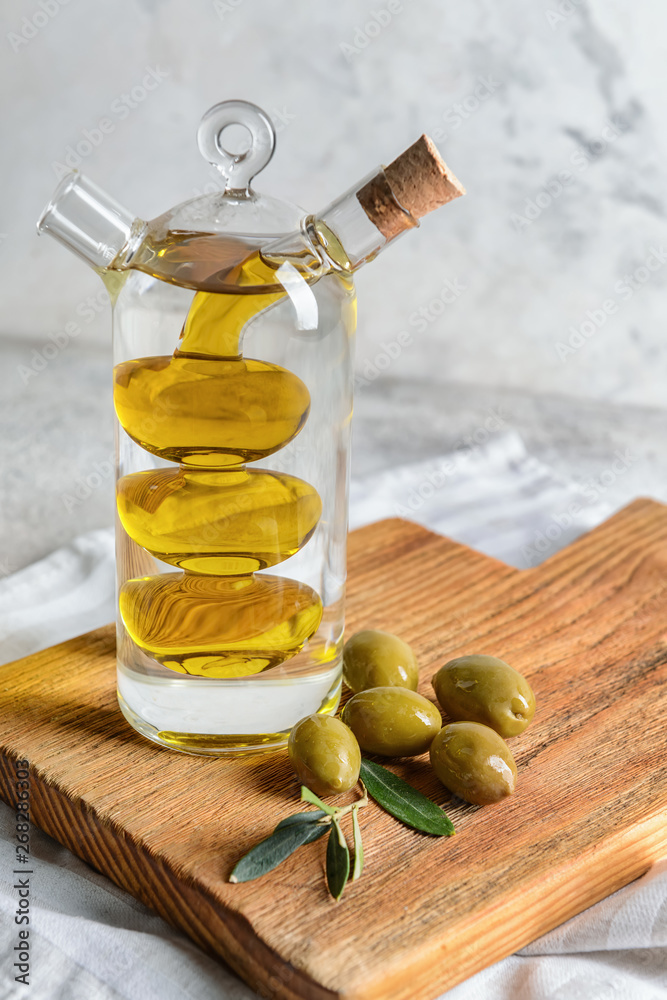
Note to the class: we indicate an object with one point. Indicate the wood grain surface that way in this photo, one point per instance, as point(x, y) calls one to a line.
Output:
point(588, 628)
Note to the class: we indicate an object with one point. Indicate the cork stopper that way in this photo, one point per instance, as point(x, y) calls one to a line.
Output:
point(414, 184)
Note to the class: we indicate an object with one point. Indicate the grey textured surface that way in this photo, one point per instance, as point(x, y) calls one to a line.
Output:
point(57, 432)
point(586, 440)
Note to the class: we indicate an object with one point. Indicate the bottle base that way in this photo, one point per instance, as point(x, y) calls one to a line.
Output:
point(202, 717)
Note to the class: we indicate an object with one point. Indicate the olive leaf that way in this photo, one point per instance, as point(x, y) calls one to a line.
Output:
point(316, 816)
point(288, 836)
point(338, 860)
point(308, 796)
point(303, 828)
point(404, 802)
point(358, 846)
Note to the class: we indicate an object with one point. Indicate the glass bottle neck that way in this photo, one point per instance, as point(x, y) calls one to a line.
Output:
point(350, 231)
point(347, 232)
point(344, 236)
point(91, 223)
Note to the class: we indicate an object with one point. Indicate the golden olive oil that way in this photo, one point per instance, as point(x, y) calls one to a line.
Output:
point(212, 517)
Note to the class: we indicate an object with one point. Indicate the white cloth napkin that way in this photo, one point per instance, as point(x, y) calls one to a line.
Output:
point(92, 941)
point(495, 498)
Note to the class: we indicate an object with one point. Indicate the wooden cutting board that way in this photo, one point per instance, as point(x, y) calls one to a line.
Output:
point(588, 628)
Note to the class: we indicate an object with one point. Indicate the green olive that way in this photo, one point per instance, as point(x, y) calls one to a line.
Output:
point(473, 762)
point(324, 754)
point(378, 659)
point(487, 690)
point(392, 721)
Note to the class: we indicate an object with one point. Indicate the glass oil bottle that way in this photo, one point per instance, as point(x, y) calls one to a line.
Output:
point(233, 323)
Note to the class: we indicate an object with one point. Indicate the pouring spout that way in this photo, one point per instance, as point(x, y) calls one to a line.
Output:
point(91, 223)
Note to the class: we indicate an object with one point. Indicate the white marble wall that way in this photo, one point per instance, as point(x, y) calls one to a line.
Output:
point(550, 111)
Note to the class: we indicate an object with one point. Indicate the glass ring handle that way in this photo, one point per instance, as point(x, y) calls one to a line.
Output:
point(238, 169)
